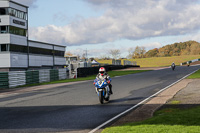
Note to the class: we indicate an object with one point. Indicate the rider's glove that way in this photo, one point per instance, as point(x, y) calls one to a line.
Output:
point(109, 82)
point(94, 83)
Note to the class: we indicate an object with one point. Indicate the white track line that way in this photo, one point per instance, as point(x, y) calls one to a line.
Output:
point(119, 115)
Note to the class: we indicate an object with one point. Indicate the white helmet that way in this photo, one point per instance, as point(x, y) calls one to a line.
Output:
point(102, 70)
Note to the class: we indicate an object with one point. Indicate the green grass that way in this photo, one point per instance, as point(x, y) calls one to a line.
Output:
point(92, 77)
point(175, 102)
point(158, 61)
point(196, 75)
point(171, 120)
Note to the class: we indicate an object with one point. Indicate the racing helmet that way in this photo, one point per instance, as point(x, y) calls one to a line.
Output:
point(102, 70)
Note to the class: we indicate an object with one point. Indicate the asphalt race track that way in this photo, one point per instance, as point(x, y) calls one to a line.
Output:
point(76, 107)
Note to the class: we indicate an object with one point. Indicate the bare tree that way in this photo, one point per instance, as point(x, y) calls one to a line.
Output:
point(104, 57)
point(139, 52)
point(130, 53)
point(115, 53)
point(143, 52)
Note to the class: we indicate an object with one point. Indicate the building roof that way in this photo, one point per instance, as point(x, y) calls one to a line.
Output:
point(16, 3)
point(47, 43)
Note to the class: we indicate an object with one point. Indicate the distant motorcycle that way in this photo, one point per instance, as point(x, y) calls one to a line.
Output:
point(102, 89)
point(173, 66)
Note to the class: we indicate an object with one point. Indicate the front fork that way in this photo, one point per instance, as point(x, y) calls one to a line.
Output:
point(107, 91)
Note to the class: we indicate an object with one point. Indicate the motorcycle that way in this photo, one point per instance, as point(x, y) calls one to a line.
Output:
point(188, 64)
point(102, 89)
point(173, 67)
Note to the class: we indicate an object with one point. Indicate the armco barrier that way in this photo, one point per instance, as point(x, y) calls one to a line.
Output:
point(83, 72)
point(191, 61)
point(115, 67)
point(129, 66)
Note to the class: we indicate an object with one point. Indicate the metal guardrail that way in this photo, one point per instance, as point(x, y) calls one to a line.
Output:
point(83, 72)
point(188, 62)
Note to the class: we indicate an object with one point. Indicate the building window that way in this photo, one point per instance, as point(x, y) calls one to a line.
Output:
point(3, 29)
point(18, 48)
point(4, 47)
point(17, 31)
point(2, 11)
point(34, 50)
point(59, 53)
point(42, 51)
point(13, 30)
point(17, 13)
point(13, 12)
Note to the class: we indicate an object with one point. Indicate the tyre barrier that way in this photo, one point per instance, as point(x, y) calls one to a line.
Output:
point(18, 78)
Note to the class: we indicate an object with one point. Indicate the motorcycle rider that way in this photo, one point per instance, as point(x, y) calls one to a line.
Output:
point(173, 66)
point(188, 64)
point(103, 75)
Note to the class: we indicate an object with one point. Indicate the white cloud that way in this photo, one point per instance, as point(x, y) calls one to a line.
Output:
point(152, 45)
point(95, 50)
point(195, 37)
point(91, 52)
point(131, 19)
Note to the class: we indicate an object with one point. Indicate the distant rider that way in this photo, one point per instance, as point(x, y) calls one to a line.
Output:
point(103, 75)
point(173, 65)
point(188, 64)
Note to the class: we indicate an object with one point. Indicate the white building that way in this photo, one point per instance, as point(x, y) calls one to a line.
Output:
point(17, 52)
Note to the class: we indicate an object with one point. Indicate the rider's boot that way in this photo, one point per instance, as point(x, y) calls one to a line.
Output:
point(110, 86)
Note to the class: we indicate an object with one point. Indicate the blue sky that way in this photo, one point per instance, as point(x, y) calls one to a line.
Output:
point(102, 25)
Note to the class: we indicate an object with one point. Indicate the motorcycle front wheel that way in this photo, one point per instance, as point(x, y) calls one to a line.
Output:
point(101, 97)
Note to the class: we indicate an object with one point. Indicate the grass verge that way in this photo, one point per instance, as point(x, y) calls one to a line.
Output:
point(172, 120)
point(158, 61)
point(196, 75)
point(92, 77)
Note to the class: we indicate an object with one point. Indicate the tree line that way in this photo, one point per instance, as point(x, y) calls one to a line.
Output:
point(176, 49)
